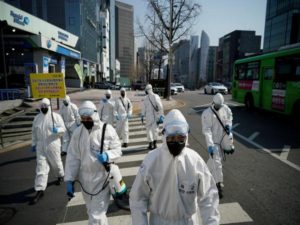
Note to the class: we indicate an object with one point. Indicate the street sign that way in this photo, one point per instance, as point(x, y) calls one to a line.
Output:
point(47, 85)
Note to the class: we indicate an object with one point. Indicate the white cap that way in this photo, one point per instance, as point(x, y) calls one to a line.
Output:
point(67, 99)
point(218, 99)
point(87, 108)
point(108, 92)
point(148, 87)
point(45, 101)
point(175, 123)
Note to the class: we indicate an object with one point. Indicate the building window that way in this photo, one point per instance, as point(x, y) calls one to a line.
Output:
point(71, 20)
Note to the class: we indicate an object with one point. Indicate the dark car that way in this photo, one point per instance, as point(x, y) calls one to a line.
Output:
point(103, 85)
point(228, 85)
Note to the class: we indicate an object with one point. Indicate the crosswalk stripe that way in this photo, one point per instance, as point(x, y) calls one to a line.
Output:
point(131, 158)
point(139, 132)
point(137, 148)
point(144, 139)
point(230, 213)
point(129, 171)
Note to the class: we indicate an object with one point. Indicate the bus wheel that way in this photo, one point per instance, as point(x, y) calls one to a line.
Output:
point(205, 92)
point(249, 102)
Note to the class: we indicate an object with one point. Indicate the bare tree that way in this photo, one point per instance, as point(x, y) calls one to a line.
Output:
point(172, 20)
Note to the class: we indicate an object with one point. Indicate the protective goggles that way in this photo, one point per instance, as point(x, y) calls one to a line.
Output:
point(176, 128)
point(44, 105)
point(87, 112)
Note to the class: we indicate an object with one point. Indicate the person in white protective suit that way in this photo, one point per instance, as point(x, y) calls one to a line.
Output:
point(69, 113)
point(214, 133)
point(47, 129)
point(106, 108)
point(123, 112)
point(173, 183)
point(85, 161)
point(152, 111)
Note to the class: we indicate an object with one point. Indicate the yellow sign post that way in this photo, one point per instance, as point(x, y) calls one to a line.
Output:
point(48, 85)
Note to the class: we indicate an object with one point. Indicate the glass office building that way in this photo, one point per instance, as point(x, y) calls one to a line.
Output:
point(282, 26)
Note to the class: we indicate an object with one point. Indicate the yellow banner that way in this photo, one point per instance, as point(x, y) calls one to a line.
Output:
point(47, 85)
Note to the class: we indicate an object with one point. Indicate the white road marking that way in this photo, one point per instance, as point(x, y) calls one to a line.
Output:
point(285, 152)
point(131, 158)
point(253, 136)
point(235, 125)
point(229, 212)
point(130, 171)
point(144, 139)
point(141, 132)
point(137, 148)
point(296, 167)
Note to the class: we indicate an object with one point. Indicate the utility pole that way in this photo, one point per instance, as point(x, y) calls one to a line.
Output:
point(170, 50)
point(2, 26)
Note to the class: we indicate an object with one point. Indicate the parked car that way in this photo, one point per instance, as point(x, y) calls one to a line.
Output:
point(214, 87)
point(179, 86)
point(102, 85)
point(173, 90)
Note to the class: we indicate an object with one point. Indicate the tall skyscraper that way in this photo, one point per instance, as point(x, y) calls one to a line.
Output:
point(125, 39)
point(282, 26)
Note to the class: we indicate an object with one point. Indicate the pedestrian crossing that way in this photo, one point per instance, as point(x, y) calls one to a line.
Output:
point(75, 212)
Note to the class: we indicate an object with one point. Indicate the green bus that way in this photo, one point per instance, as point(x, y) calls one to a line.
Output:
point(269, 81)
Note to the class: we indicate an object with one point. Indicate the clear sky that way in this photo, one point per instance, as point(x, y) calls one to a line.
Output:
point(218, 17)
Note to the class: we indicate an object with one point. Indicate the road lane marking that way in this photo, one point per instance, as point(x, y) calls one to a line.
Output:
point(285, 152)
point(229, 213)
point(253, 136)
point(293, 165)
point(131, 158)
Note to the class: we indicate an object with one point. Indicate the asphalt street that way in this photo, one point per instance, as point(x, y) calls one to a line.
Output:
point(262, 178)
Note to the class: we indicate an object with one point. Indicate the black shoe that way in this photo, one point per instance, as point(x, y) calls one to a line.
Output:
point(154, 144)
point(220, 190)
point(150, 146)
point(37, 197)
point(59, 180)
point(122, 201)
point(63, 153)
point(125, 145)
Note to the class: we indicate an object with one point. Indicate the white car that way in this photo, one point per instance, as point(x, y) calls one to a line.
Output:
point(173, 90)
point(179, 86)
point(214, 87)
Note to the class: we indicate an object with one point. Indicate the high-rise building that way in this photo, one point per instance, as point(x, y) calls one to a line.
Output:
point(203, 57)
point(233, 46)
point(181, 62)
point(125, 39)
point(211, 63)
point(282, 26)
point(193, 62)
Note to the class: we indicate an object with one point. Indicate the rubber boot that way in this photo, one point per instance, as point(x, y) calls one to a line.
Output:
point(154, 144)
point(125, 145)
point(122, 201)
point(37, 197)
point(59, 180)
point(150, 147)
point(220, 191)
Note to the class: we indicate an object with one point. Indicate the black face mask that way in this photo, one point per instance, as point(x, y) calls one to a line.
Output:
point(123, 95)
point(66, 104)
point(44, 110)
point(108, 96)
point(217, 107)
point(146, 92)
point(88, 124)
point(175, 148)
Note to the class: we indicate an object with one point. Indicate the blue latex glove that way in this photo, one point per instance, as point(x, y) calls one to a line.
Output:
point(142, 118)
point(33, 148)
point(228, 129)
point(117, 117)
point(211, 149)
point(103, 158)
point(161, 119)
point(55, 130)
point(70, 189)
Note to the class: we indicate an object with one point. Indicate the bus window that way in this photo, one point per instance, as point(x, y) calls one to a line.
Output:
point(247, 71)
point(288, 68)
point(268, 74)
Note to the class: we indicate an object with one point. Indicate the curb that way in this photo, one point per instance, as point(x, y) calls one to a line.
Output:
point(15, 145)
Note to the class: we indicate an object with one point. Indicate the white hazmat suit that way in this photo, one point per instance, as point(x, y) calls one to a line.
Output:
point(152, 110)
point(71, 118)
point(106, 108)
point(214, 132)
point(82, 162)
point(123, 111)
point(174, 189)
point(47, 144)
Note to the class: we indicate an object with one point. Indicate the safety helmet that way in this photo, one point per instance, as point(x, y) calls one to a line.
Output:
point(108, 92)
point(45, 103)
point(218, 99)
point(87, 108)
point(67, 99)
point(175, 124)
point(148, 87)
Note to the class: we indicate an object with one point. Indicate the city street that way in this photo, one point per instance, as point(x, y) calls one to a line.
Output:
point(262, 177)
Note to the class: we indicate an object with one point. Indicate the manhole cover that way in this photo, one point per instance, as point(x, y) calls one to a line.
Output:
point(6, 214)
